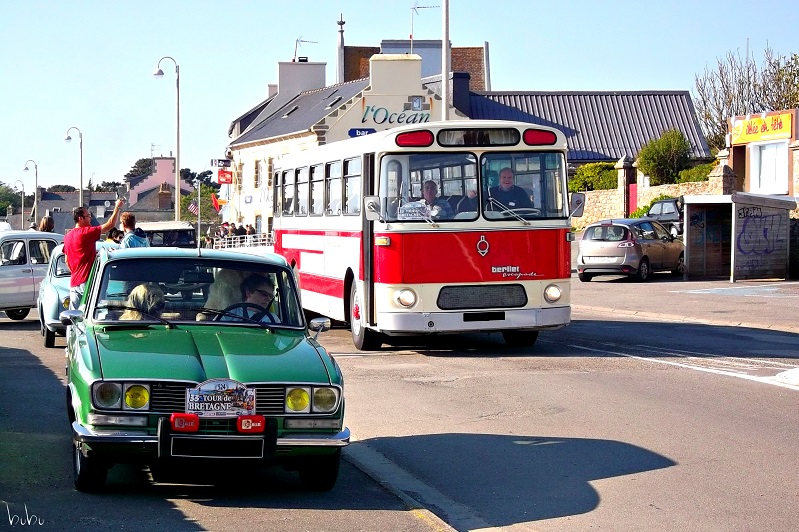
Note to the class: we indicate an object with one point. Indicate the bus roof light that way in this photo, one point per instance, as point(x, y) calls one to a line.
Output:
point(415, 139)
point(539, 137)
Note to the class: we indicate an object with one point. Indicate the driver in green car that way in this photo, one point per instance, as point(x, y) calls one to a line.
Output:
point(258, 292)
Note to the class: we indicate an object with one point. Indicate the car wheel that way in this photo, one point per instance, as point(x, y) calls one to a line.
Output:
point(643, 271)
point(680, 268)
point(520, 338)
point(363, 338)
point(320, 473)
point(674, 232)
point(18, 313)
point(88, 472)
point(585, 277)
point(49, 337)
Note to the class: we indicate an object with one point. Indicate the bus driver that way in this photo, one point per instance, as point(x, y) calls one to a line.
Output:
point(508, 194)
point(439, 207)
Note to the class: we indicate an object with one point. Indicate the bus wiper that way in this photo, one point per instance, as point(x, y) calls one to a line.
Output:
point(426, 217)
point(156, 317)
point(238, 317)
point(507, 210)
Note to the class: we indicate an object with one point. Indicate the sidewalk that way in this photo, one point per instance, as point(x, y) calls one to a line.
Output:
point(767, 304)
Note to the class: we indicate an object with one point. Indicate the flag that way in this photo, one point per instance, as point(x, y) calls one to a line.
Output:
point(193, 207)
point(215, 201)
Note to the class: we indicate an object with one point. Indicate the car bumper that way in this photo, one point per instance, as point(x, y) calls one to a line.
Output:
point(120, 445)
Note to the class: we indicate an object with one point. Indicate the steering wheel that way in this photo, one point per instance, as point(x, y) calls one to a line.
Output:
point(257, 316)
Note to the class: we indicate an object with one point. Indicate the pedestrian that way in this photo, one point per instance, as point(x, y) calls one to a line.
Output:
point(32, 226)
point(79, 247)
point(132, 238)
point(111, 236)
point(47, 224)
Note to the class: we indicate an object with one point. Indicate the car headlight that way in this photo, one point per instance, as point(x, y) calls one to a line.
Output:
point(406, 297)
point(107, 394)
point(552, 293)
point(298, 400)
point(324, 399)
point(65, 303)
point(137, 397)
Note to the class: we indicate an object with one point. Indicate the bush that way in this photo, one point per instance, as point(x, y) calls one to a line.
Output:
point(641, 211)
point(594, 176)
point(697, 173)
point(662, 159)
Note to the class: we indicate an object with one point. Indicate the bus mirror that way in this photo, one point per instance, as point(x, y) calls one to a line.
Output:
point(371, 206)
point(577, 204)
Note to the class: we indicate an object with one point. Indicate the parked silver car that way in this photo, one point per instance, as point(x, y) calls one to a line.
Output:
point(632, 246)
point(54, 296)
point(24, 256)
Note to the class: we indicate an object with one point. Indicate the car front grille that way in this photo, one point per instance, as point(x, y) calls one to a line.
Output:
point(467, 297)
point(168, 397)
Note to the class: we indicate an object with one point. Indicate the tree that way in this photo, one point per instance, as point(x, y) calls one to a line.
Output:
point(9, 196)
point(62, 188)
point(203, 177)
point(108, 186)
point(207, 211)
point(142, 167)
point(594, 176)
point(663, 158)
point(737, 86)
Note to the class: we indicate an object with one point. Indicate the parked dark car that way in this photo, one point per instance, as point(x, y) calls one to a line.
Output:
point(668, 212)
point(632, 246)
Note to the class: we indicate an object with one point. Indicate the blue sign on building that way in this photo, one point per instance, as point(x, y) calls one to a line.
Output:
point(361, 131)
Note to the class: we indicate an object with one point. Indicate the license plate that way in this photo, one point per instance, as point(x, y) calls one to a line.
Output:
point(601, 260)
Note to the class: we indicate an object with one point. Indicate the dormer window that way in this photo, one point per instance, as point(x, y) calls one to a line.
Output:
point(291, 111)
point(333, 103)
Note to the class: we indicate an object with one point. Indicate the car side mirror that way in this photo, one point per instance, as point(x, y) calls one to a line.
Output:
point(71, 317)
point(319, 325)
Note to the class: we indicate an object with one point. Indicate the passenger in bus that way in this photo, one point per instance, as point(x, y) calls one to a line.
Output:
point(507, 193)
point(439, 207)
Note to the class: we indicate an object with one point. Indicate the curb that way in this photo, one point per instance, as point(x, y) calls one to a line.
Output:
point(687, 319)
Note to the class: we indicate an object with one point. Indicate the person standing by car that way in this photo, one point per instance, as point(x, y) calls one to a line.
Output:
point(79, 247)
point(508, 194)
point(131, 238)
point(47, 224)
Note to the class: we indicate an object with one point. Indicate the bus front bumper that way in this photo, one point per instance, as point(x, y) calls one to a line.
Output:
point(396, 323)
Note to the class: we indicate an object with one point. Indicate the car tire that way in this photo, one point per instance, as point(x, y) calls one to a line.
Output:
point(18, 313)
point(364, 339)
point(49, 337)
point(680, 268)
point(88, 472)
point(644, 272)
point(520, 338)
point(585, 277)
point(320, 473)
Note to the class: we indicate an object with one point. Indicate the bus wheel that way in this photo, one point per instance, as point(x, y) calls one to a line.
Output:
point(520, 338)
point(363, 338)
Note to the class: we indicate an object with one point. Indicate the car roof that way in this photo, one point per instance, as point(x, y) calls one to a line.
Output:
point(31, 234)
point(188, 253)
point(620, 221)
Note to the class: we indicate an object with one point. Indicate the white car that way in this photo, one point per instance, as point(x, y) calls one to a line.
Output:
point(24, 256)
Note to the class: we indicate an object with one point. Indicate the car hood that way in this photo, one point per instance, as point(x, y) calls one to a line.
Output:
point(243, 354)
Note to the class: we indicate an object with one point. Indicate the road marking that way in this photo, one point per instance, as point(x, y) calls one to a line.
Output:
point(766, 290)
point(787, 379)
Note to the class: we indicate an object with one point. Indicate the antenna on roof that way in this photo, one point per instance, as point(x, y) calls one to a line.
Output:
point(297, 45)
point(415, 10)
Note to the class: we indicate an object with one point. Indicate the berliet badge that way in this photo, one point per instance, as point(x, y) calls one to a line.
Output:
point(482, 246)
point(220, 398)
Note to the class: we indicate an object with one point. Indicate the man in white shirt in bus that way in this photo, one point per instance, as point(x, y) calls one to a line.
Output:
point(439, 207)
point(508, 194)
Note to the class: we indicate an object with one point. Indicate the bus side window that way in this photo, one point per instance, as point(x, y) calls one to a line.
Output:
point(317, 189)
point(302, 192)
point(333, 188)
point(352, 185)
point(288, 193)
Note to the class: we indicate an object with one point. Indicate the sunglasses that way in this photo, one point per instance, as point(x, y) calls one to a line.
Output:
point(265, 293)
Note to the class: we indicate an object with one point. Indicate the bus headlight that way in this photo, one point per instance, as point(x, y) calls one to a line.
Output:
point(552, 293)
point(406, 298)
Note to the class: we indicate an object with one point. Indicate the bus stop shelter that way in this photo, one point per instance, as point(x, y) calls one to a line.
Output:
point(742, 235)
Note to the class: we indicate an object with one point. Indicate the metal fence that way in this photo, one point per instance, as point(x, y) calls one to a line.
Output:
point(241, 241)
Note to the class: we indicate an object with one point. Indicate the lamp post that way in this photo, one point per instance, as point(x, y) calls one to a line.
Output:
point(80, 138)
point(22, 215)
point(35, 209)
point(159, 74)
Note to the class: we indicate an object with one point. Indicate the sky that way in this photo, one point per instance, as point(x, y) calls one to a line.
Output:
point(88, 63)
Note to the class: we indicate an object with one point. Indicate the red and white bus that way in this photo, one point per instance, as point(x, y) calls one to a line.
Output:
point(369, 249)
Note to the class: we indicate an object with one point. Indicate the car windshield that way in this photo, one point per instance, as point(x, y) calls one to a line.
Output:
point(196, 289)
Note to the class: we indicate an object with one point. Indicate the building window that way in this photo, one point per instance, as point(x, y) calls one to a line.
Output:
point(768, 168)
point(256, 178)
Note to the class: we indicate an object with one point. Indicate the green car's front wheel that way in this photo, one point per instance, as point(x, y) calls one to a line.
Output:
point(89, 473)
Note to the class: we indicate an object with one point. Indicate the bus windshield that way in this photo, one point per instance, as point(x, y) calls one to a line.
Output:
point(455, 186)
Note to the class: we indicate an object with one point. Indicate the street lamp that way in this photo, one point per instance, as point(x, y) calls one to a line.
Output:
point(34, 210)
point(80, 137)
point(22, 219)
point(159, 74)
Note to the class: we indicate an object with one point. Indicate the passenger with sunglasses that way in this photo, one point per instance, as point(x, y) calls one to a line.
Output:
point(79, 247)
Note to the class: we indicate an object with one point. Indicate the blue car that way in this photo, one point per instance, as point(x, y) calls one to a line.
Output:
point(54, 296)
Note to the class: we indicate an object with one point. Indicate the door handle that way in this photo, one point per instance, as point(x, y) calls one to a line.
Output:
point(27, 270)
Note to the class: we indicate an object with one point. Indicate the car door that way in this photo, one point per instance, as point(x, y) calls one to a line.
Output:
point(672, 248)
point(651, 244)
point(40, 251)
point(16, 274)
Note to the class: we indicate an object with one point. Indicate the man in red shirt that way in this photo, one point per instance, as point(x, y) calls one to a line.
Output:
point(79, 247)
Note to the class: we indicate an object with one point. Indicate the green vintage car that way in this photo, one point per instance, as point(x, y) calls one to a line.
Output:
point(188, 359)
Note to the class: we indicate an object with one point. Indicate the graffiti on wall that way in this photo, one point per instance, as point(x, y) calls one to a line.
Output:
point(759, 236)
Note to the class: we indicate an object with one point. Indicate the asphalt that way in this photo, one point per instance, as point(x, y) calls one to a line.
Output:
point(760, 304)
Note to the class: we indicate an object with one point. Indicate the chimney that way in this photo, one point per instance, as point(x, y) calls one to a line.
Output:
point(271, 90)
point(165, 197)
point(340, 62)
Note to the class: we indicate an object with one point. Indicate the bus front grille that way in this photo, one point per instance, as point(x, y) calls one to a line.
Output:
point(466, 297)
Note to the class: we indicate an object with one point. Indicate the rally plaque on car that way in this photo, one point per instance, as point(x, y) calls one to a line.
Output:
point(220, 398)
